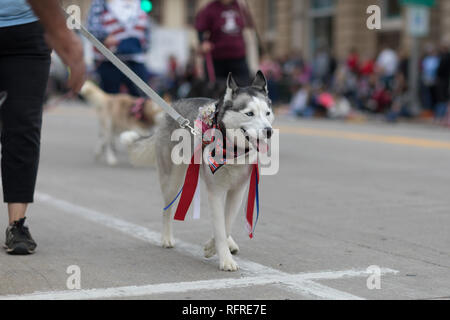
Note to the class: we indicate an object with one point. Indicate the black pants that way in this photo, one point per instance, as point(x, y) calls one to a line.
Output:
point(112, 78)
point(238, 67)
point(24, 69)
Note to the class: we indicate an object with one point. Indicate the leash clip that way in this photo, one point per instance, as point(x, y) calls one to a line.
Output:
point(185, 123)
point(194, 131)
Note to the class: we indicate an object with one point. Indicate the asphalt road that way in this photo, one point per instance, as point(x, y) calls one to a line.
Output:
point(347, 196)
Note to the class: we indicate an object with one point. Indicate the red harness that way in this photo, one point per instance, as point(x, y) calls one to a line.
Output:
point(137, 111)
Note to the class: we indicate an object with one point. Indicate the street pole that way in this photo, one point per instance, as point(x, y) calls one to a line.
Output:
point(418, 26)
point(414, 75)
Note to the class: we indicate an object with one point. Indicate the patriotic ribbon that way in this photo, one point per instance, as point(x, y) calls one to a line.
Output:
point(253, 197)
point(189, 189)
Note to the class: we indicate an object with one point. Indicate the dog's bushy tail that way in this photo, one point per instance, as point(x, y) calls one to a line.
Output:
point(141, 149)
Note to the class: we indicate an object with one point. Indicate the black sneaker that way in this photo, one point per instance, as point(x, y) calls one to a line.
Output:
point(18, 239)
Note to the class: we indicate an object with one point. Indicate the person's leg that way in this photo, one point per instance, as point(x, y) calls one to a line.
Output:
point(240, 71)
point(141, 70)
point(272, 86)
point(221, 70)
point(441, 110)
point(24, 65)
point(110, 77)
point(428, 98)
point(16, 211)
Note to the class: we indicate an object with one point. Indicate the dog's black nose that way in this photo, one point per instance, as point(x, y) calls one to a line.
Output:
point(268, 132)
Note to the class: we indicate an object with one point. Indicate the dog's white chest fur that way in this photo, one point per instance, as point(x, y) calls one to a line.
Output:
point(228, 177)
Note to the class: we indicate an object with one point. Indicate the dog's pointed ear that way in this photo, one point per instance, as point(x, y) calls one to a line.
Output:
point(231, 88)
point(231, 83)
point(260, 82)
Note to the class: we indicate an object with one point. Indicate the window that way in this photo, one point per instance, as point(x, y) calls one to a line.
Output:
point(392, 15)
point(321, 21)
point(321, 8)
point(191, 11)
point(322, 4)
point(271, 16)
point(392, 8)
point(156, 12)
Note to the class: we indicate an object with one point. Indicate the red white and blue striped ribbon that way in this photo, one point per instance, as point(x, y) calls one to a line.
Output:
point(253, 197)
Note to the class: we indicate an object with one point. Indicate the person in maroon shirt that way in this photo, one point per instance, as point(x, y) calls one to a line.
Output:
point(220, 25)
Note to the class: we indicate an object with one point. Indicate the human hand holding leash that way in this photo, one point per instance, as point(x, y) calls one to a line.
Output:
point(70, 51)
point(206, 47)
point(64, 41)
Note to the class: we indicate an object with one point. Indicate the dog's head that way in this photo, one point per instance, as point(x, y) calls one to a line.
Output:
point(89, 90)
point(247, 110)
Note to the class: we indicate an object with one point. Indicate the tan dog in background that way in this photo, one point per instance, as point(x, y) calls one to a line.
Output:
point(115, 114)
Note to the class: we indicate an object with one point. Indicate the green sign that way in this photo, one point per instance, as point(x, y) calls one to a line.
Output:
point(425, 3)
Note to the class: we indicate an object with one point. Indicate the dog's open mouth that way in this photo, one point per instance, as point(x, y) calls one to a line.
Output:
point(259, 144)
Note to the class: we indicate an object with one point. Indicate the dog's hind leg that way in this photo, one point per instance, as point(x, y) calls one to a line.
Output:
point(169, 193)
point(111, 158)
point(99, 148)
point(171, 180)
point(167, 240)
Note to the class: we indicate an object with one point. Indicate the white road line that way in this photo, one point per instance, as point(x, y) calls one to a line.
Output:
point(136, 291)
point(253, 273)
point(298, 282)
point(320, 291)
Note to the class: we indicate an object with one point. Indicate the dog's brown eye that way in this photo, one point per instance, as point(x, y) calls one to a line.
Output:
point(250, 114)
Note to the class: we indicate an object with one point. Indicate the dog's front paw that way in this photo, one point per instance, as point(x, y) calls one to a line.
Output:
point(168, 243)
point(210, 249)
point(228, 264)
point(112, 161)
point(129, 137)
point(234, 248)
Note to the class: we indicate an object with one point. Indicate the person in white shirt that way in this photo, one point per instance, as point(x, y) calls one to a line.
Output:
point(387, 65)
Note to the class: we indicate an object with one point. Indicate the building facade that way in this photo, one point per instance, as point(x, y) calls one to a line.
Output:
point(287, 26)
point(340, 25)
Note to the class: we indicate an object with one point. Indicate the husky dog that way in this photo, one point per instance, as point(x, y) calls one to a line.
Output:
point(115, 113)
point(245, 109)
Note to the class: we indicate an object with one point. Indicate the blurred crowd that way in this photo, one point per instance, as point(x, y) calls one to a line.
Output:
point(356, 86)
point(378, 85)
point(326, 87)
